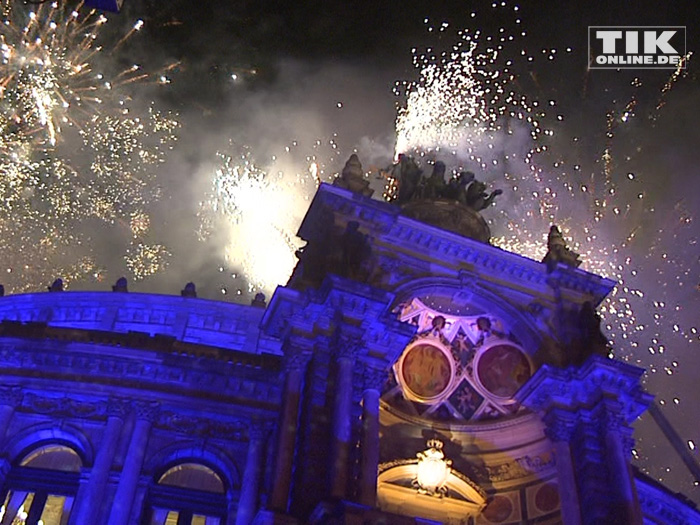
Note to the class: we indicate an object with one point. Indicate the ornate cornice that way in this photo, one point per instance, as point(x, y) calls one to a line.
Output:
point(105, 316)
point(88, 363)
point(576, 388)
point(662, 506)
point(422, 240)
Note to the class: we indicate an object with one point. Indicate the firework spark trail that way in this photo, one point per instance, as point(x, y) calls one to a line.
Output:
point(73, 147)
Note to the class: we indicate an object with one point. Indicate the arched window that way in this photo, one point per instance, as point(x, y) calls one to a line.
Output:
point(41, 486)
point(187, 494)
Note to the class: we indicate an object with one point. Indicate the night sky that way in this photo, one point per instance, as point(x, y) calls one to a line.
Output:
point(319, 78)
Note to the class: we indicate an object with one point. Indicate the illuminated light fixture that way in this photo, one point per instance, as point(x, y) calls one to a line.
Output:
point(105, 5)
point(432, 470)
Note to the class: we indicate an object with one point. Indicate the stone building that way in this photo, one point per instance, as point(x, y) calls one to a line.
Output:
point(405, 374)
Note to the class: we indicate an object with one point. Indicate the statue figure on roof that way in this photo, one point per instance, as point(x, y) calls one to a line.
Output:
point(408, 175)
point(190, 290)
point(457, 187)
point(56, 286)
point(434, 186)
point(477, 198)
point(558, 251)
point(121, 285)
point(352, 177)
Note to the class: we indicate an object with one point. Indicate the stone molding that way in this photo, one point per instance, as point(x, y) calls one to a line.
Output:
point(80, 362)
point(214, 323)
point(662, 506)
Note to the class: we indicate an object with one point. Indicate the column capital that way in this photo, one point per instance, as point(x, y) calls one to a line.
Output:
point(11, 395)
point(259, 430)
point(374, 378)
point(347, 347)
point(561, 425)
point(296, 360)
point(147, 410)
point(118, 407)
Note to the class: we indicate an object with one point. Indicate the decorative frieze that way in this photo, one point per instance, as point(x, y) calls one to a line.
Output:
point(521, 467)
point(63, 406)
point(225, 428)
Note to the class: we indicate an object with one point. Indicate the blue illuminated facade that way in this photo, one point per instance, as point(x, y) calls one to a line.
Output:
point(405, 374)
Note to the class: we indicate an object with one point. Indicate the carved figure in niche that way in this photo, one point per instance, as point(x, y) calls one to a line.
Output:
point(56, 286)
point(477, 198)
point(558, 251)
point(120, 285)
point(355, 250)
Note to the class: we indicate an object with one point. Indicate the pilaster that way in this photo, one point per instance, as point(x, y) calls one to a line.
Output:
point(588, 411)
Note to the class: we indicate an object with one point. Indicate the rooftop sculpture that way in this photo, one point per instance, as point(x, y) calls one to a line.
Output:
point(453, 205)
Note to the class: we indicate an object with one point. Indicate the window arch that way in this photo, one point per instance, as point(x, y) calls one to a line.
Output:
point(184, 493)
point(41, 485)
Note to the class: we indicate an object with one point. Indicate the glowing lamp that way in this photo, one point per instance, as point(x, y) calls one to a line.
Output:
point(433, 470)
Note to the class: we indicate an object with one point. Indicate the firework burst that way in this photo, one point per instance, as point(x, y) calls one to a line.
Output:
point(76, 153)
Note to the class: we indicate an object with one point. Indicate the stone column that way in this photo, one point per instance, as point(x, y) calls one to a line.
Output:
point(374, 379)
point(88, 507)
point(342, 424)
point(618, 446)
point(295, 368)
point(250, 485)
point(561, 426)
point(128, 481)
